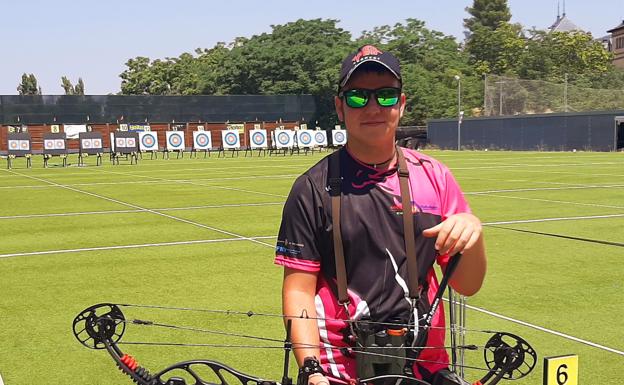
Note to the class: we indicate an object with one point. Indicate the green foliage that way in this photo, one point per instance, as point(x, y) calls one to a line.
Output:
point(550, 56)
point(29, 86)
point(71, 89)
point(304, 57)
point(489, 14)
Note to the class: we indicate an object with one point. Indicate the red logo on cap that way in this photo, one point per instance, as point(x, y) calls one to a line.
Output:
point(367, 50)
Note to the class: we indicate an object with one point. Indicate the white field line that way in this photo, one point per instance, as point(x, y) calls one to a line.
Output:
point(546, 189)
point(546, 330)
point(104, 212)
point(553, 219)
point(548, 200)
point(119, 183)
point(517, 165)
point(198, 184)
point(137, 246)
point(144, 209)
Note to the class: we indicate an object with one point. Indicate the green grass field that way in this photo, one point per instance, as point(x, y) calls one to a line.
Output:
point(200, 233)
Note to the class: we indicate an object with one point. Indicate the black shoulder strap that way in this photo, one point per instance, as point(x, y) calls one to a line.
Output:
point(335, 182)
point(408, 227)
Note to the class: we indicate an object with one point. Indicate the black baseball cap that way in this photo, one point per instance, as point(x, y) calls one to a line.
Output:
point(366, 54)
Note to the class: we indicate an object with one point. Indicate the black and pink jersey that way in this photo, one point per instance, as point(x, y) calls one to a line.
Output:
point(374, 247)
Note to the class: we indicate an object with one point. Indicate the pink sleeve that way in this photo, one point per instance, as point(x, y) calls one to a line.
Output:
point(453, 202)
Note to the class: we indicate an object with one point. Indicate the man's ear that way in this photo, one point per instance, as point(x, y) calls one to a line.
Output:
point(339, 110)
point(402, 105)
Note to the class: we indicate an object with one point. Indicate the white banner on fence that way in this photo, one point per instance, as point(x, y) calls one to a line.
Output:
point(305, 138)
point(230, 139)
point(175, 140)
point(258, 139)
point(148, 141)
point(284, 138)
point(72, 131)
point(202, 140)
point(339, 137)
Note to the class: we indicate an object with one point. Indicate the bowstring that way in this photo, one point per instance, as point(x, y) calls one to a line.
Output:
point(303, 316)
point(295, 346)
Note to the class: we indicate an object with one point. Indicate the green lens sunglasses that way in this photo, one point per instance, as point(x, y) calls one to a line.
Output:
point(359, 97)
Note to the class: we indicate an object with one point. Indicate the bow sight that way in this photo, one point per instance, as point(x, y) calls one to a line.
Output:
point(102, 326)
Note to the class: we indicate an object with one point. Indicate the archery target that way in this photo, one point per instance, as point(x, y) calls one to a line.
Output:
point(24, 145)
point(284, 138)
point(97, 143)
point(48, 144)
point(87, 143)
point(59, 144)
point(339, 137)
point(175, 140)
point(202, 140)
point(231, 140)
point(258, 138)
point(121, 142)
point(14, 144)
point(320, 138)
point(304, 138)
point(148, 141)
point(130, 142)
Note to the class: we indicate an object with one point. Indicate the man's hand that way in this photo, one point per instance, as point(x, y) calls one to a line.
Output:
point(462, 233)
point(458, 233)
point(317, 379)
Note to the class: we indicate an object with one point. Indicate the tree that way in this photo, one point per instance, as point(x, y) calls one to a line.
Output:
point(301, 57)
point(496, 51)
point(67, 86)
point(429, 62)
point(80, 88)
point(29, 86)
point(486, 13)
point(491, 41)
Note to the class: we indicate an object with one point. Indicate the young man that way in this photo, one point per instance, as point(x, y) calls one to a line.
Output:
point(370, 104)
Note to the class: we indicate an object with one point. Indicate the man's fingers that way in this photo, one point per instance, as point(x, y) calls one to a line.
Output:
point(432, 231)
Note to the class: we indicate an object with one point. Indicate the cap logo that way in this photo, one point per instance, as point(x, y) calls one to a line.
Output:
point(367, 50)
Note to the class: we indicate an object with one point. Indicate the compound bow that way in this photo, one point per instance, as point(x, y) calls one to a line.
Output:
point(101, 326)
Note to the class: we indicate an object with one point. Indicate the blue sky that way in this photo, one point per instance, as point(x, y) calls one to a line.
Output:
point(93, 39)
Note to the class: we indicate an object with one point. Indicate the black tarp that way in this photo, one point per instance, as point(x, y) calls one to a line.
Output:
point(40, 109)
point(592, 131)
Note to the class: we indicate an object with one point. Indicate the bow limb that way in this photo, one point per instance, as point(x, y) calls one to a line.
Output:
point(101, 327)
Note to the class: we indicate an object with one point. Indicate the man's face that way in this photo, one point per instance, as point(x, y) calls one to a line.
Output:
point(372, 124)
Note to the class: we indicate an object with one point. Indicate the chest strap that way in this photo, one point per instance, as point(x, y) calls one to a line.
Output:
point(335, 182)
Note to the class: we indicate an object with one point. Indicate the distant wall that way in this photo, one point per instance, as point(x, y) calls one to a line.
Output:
point(592, 131)
point(46, 109)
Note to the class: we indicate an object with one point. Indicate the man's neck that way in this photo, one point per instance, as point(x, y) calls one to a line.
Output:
point(381, 156)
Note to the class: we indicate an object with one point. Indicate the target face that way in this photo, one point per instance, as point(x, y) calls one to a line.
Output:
point(175, 140)
point(13, 144)
point(48, 144)
point(120, 142)
point(87, 143)
point(97, 143)
point(320, 138)
point(24, 145)
point(231, 139)
point(283, 138)
point(147, 140)
point(202, 139)
point(305, 138)
point(59, 144)
point(339, 137)
point(130, 142)
point(258, 138)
